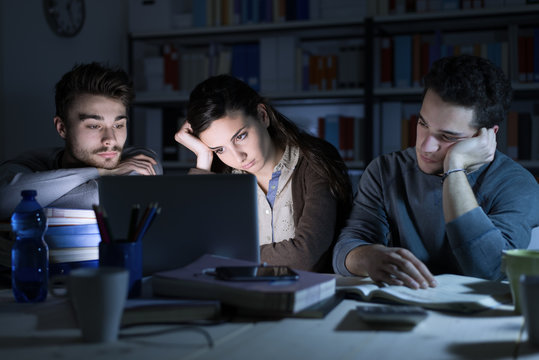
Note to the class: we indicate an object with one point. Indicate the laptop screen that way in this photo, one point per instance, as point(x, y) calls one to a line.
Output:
point(213, 214)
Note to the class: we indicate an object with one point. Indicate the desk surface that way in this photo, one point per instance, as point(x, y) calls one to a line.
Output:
point(47, 331)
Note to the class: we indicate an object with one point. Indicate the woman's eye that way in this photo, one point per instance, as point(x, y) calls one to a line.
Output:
point(218, 151)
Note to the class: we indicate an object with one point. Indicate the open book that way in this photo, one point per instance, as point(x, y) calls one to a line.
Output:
point(196, 281)
point(454, 293)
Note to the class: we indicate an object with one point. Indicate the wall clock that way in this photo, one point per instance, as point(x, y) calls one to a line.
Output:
point(65, 17)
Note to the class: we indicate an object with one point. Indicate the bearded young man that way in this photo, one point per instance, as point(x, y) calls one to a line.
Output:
point(92, 103)
point(452, 203)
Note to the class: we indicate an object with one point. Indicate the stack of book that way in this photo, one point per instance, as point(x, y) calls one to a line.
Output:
point(73, 239)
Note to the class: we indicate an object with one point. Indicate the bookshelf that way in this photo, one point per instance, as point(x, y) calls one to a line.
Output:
point(284, 49)
point(494, 33)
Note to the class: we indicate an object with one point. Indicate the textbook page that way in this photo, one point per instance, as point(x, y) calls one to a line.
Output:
point(454, 292)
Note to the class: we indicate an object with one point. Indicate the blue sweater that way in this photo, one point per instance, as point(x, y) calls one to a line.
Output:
point(399, 205)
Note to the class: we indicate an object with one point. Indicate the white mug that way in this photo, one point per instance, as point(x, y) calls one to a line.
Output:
point(98, 296)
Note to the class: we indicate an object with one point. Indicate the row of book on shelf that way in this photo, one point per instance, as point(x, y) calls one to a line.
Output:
point(405, 59)
point(163, 15)
point(166, 15)
point(274, 64)
point(279, 64)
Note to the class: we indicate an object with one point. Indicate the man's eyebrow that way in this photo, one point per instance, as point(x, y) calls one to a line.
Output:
point(84, 116)
point(231, 139)
point(448, 132)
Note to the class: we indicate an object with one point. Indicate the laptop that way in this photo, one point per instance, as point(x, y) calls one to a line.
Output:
point(200, 214)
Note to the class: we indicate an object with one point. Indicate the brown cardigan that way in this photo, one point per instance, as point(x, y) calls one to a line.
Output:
point(318, 219)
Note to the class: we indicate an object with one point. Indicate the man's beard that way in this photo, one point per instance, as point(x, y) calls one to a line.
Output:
point(87, 157)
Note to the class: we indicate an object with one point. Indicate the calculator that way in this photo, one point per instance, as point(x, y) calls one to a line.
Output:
point(392, 314)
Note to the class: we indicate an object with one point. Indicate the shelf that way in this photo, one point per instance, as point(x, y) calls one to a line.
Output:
point(295, 97)
point(255, 29)
point(522, 90)
point(458, 14)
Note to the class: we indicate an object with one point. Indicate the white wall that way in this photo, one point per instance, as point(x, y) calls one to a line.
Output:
point(33, 58)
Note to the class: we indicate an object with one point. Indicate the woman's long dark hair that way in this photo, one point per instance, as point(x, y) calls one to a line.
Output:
point(220, 95)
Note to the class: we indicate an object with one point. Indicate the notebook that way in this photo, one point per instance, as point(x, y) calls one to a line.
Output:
point(200, 214)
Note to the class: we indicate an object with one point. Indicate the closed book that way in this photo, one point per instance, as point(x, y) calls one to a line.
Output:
point(91, 229)
point(196, 281)
point(454, 293)
point(71, 241)
point(66, 216)
point(168, 311)
point(73, 254)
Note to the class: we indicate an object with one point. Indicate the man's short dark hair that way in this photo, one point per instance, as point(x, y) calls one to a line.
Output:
point(94, 79)
point(472, 82)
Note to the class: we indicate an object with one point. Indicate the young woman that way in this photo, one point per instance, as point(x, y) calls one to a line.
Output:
point(304, 192)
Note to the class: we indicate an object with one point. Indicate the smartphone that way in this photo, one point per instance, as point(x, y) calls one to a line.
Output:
point(255, 273)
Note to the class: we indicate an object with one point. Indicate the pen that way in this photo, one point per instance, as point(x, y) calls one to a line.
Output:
point(145, 223)
point(107, 224)
point(133, 222)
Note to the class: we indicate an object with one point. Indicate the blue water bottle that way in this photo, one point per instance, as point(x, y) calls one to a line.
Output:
point(30, 253)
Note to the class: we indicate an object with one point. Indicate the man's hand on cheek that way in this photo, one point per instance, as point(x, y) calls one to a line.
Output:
point(472, 153)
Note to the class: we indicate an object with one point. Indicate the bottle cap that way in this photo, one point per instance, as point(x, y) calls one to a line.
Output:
point(26, 193)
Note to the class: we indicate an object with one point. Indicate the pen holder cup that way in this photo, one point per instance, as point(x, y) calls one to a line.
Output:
point(127, 255)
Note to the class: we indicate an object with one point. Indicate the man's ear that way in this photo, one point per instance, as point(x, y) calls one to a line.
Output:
point(496, 128)
point(60, 127)
point(263, 115)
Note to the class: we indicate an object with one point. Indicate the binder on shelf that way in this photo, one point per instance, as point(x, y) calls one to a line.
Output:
point(512, 135)
point(286, 63)
point(268, 64)
point(536, 54)
point(391, 116)
point(524, 136)
point(386, 62)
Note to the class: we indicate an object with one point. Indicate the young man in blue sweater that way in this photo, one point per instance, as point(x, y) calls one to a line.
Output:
point(452, 203)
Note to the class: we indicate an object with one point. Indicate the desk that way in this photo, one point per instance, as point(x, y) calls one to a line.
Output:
point(47, 331)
